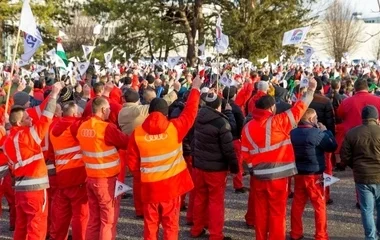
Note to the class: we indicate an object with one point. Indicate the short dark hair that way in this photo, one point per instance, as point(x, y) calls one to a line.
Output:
point(14, 113)
point(38, 84)
point(265, 102)
point(361, 84)
point(335, 84)
point(131, 95)
point(98, 103)
point(98, 87)
point(68, 107)
point(229, 92)
point(150, 79)
point(319, 84)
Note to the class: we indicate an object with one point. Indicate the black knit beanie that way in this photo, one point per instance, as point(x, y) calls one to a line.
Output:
point(211, 100)
point(265, 102)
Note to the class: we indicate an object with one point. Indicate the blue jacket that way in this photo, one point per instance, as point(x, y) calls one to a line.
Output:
point(310, 144)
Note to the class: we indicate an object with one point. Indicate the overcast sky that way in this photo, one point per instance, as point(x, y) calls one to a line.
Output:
point(364, 6)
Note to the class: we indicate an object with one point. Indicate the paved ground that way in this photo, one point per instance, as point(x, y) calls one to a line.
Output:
point(343, 218)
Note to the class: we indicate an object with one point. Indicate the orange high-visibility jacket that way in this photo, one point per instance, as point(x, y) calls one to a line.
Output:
point(101, 160)
point(162, 165)
point(266, 145)
point(25, 158)
point(68, 159)
point(4, 169)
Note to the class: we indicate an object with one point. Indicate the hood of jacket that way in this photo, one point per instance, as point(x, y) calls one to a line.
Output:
point(207, 114)
point(62, 125)
point(261, 114)
point(155, 123)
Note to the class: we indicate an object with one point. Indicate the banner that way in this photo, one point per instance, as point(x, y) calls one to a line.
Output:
point(31, 44)
point(87, 50)
point(295, 36)
point(28, 22)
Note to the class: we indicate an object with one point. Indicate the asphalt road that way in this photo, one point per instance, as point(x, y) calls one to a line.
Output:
point(344, 220)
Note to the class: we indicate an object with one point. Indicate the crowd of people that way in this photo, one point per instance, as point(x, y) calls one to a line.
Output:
point(179, 134)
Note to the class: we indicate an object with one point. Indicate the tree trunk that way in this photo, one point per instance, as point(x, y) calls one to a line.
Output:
point(2, 50)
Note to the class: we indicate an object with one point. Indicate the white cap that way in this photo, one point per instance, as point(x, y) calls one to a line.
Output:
point(205, 90)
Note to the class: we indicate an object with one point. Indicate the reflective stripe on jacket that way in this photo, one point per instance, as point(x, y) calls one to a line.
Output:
point(68, 160)
point(266, 142)
point(163, 169)
point(101, 160)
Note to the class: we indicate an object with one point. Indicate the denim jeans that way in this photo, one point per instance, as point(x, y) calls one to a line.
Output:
point(369, 199)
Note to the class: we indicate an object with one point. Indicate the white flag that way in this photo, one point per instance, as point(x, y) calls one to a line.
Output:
point(295, 36)
point(121, 188)
point(61, 34)
point(202, 48)
point(87, 50)
point(173, 61)
point(31, 44)
point(97, 29)
point(59, 62)
point(226, 81)
point(108, 57)
point(117, 62)
point(51, 53)
point(96, 60)
point(21, 63)
point(329, 180)
point(263, 60)
point(40, 68)
point(179, 71)
point(222, 44)
point(97, 68)
point(73, 59)
point(28, 22)
point(82, 67)
point(202, 58)
point(125, 55)
point(308, 52)
point(304, 82)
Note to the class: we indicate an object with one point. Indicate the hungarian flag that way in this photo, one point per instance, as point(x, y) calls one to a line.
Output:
point(61, 52)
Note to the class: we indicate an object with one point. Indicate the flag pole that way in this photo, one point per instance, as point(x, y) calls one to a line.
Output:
point(217, 75)
point(12, 69)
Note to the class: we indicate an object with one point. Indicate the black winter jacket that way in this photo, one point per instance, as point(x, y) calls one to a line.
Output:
point(212, 146)
point(238, 120)
point(322, 105)
point(175, 111)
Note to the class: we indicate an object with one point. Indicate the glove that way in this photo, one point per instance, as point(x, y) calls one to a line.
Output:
point(250, 171)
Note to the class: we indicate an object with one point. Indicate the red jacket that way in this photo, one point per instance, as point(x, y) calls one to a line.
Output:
point(38, 94)
point(156, 124)
point(114, 108)
point(115, 95)
point(350, 110)
point(135, 83)
point(253, 100)
point(243, 95)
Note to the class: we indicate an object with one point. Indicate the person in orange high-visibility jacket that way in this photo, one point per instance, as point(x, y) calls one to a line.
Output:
point(155, 148)
point(6, 183)
point(27, 164)
point(49, 158)
point(267, 149)
point(70, 202)
point(100, 141)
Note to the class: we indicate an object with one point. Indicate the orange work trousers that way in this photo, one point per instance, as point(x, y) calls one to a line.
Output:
point(137, 193)
point(70, 206)
point(308, 187)
point(270, 208)
point(7, 191)
point(50, 195)
point(237, 180)
point(329, 171)
point(209, 198)
point(166, 213)
point(104, 208)
point(190, 206)
point(250, 215)
point(31, 215)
